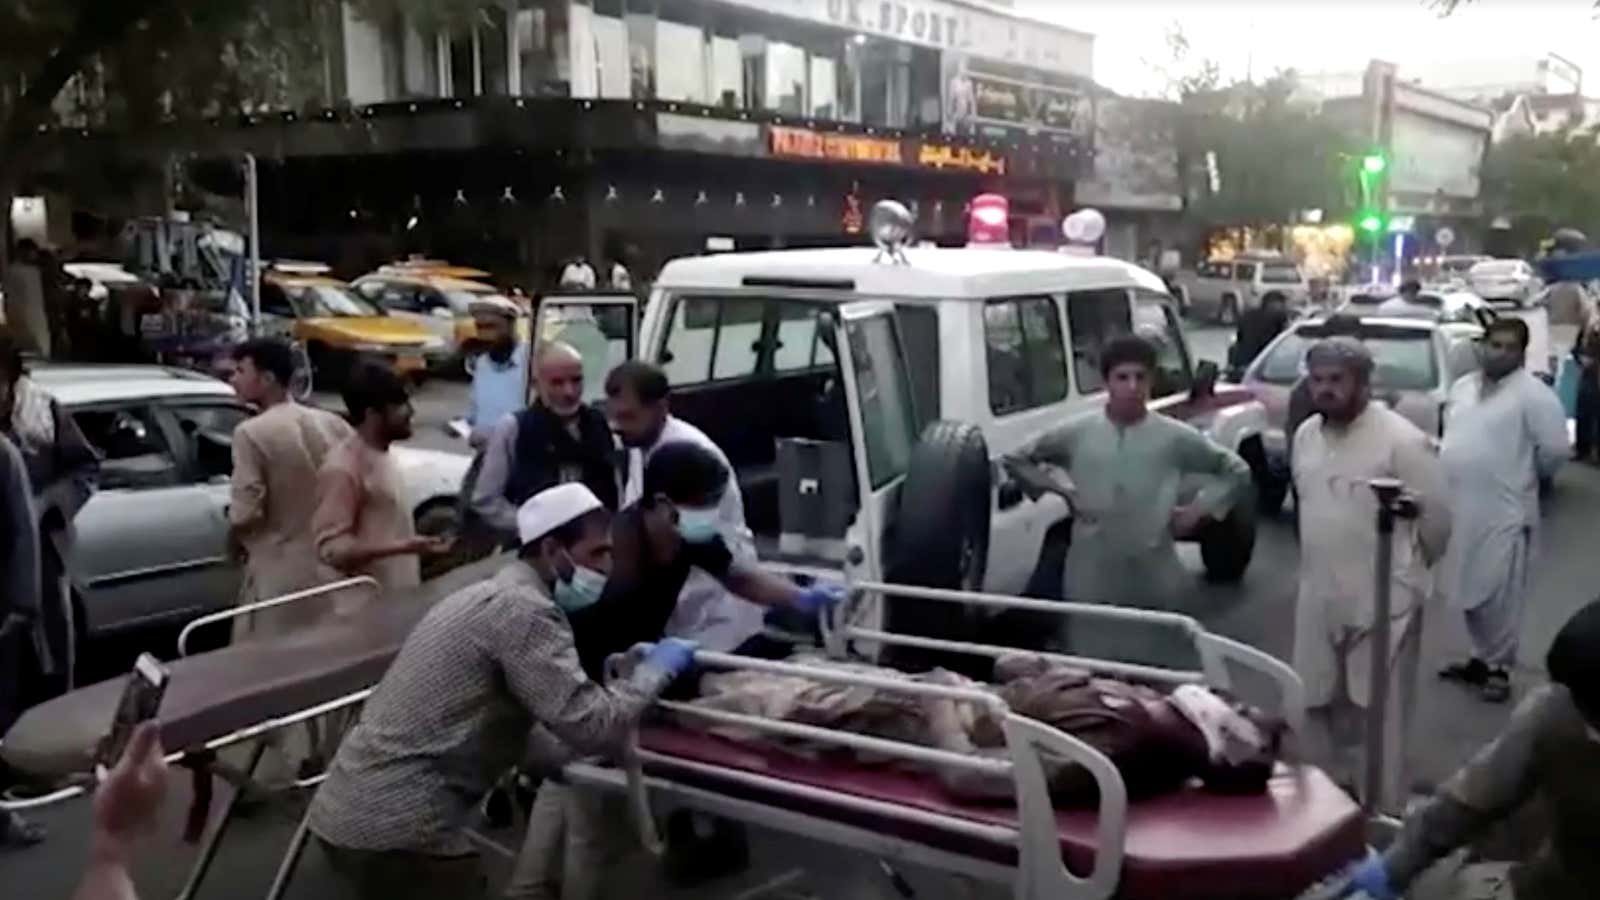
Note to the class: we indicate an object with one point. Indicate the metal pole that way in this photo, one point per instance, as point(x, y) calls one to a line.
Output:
point(208, 850)
point(252, 208)
point(1391, 505)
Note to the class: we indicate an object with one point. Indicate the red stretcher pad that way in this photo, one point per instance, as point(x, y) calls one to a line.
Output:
point(1189, 845)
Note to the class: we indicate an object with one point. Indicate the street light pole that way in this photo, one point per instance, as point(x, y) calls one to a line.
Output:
point(252, 212)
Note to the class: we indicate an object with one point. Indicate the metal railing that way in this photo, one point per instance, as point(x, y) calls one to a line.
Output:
point(245, 609)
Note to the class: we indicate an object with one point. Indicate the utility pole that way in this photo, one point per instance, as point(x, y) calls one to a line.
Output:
point(253, 261)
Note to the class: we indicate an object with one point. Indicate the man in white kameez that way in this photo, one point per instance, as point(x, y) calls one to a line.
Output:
point(1504, 430)
point(1337, 453)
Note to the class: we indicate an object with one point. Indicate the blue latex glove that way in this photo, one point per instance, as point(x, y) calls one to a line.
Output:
point(1369, 877)
point(818, 597)
point(673, 656)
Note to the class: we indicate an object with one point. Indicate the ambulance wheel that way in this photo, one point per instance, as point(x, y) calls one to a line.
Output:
point(1226, 546)
point(940, 540)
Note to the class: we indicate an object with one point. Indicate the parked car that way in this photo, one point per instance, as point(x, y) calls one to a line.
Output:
point(865, 404)
point(434, 295)
point(151, 542)
point(1453, 270)
point(1223, 289)
point(1504, 280)
point(338, 327)
point(1417, 359)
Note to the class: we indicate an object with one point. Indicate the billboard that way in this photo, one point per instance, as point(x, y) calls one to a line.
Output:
point(1135, 157)
point(976, 100)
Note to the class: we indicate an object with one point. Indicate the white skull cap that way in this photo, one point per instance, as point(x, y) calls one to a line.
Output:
point(552, 508)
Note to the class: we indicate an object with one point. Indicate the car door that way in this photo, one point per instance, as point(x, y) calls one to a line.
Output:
point(603, 329)
point(884, 423)
point(204, 434)
point(148, 537)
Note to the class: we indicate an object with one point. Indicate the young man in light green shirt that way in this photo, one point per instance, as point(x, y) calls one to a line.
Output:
point(1125, 467)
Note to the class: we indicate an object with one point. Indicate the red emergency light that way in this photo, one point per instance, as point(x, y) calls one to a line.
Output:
point(989, 221)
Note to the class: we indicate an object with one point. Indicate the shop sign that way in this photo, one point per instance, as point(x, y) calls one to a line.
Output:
point(967, 159)
point(804, 143)
point(1001, 101)
point(948, 25)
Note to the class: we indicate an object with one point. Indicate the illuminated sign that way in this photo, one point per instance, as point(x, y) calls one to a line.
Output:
point(970, 159)
point(806, 144)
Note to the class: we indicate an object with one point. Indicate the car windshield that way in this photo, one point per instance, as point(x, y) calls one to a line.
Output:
point(461, 301)
point(334, 300)
point(1404, 357)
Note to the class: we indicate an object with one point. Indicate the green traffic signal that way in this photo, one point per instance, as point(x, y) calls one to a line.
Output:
point(1371, 223)
point(1373, 164)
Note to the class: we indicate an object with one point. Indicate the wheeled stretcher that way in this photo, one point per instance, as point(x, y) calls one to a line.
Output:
point(1185, 845)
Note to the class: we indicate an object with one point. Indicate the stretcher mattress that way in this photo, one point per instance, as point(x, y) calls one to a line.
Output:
point(217, 693)
point(1189, 845)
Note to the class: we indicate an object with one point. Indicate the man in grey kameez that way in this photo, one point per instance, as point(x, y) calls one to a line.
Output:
point(1125, 465)
point(1337, 453)
point(1504, 430)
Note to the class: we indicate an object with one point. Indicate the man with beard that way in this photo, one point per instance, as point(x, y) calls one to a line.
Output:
point(362, 525)
point(1504, 430)
point(1338, 451)
point(637, 402)
point(499, 368)
point(556, 440)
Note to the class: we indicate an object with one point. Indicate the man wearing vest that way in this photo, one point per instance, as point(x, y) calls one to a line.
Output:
point(556, 440)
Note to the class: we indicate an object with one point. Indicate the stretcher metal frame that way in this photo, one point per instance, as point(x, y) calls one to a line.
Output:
point(201, 759)
point(1040, 872)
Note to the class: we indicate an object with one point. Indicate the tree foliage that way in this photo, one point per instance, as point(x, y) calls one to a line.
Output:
point(1544, 182)
point(1274, 152)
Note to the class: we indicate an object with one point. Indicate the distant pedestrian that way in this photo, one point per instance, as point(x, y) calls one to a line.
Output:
point(499, 369)
point(1338, 451)
point(1586, 351)
point(1257, 328)
point(1125, 465)
point(363, 524)
point(63, 470)
point(556, 440)
point(24, 300)
point(1504, 431)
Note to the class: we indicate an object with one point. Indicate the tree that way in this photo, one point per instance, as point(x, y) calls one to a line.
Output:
point(1273, 153)
point(1544, 182)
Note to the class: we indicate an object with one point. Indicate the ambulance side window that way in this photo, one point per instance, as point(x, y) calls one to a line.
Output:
point(1094, 318)
point(1027, 366)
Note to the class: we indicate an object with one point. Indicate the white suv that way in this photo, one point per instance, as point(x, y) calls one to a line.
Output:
point(865, 402)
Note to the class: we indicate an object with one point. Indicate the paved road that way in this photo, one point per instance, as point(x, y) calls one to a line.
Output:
point(1259, 612)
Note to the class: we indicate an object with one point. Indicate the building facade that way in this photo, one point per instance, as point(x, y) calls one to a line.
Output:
point(637, 130)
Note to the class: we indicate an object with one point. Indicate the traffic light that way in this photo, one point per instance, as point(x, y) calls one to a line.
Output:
point(1371, 219)
point(1371, 223)
point(1374, 164)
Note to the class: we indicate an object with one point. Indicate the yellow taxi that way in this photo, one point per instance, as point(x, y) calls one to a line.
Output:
point(338, 327)
point(434, 295)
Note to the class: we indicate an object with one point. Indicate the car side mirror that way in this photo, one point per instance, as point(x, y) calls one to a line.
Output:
point(1205, 380)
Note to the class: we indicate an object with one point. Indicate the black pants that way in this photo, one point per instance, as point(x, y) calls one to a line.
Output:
point(1587, 439)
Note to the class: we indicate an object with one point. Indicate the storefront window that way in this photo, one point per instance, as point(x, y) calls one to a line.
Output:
point(641, 26)
point(824, 88)
point(684, 44)
point(490, 35)
point(786, 78)
point(543, 55)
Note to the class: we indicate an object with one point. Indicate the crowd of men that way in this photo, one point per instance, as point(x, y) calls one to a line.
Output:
point(642, 550)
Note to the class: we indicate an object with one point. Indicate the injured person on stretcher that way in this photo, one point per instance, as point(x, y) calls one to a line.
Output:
point(1159, 740)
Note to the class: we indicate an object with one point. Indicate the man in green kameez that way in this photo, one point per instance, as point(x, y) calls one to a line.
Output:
point(1125, 466)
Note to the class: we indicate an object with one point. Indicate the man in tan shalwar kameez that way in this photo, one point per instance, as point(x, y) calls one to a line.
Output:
point(1337, 453)
point(276, 455)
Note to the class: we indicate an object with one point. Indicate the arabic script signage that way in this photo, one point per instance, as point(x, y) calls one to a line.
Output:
point(967, 159)
point(1004, 102)
point(807, 144)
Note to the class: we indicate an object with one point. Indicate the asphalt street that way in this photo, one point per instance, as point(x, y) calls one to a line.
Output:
point(1259, 611)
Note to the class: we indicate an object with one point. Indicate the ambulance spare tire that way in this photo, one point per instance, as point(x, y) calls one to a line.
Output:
point(1227, 545)
point(940, 539)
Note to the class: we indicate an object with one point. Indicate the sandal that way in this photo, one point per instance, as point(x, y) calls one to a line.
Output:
point(1496, 687)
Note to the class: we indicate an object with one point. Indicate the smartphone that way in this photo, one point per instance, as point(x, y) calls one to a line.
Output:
point(141, 700)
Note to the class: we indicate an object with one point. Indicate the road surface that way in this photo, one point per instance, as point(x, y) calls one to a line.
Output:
point(1259, 611)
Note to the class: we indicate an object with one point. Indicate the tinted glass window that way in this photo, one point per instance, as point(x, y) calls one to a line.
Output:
point(209, 432)
point(1280, 275)
point(1157, 322)
point(1244, 271)
point(919, 333)
point(1027, 364)
point(134, 452)
point(884, 390)
point(1215, 270)
point(1095, 317)
point(1403, 362)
